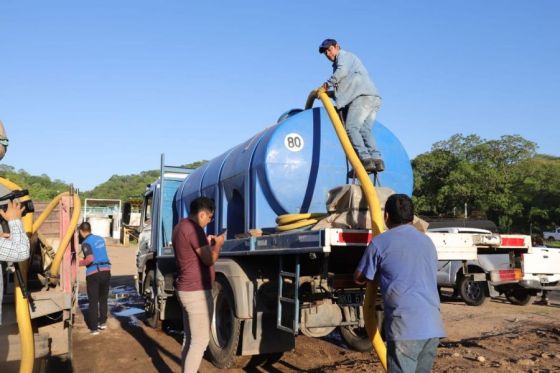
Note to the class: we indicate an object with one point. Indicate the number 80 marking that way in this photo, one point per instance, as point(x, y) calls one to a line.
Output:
point(293, 142)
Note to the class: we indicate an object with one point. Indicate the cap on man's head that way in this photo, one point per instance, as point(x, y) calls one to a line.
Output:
point(326, 44)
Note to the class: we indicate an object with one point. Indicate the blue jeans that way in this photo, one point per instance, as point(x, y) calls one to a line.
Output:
point(359, 117)
point(411, 356)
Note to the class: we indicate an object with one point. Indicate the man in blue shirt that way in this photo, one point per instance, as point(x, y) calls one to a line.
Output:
point(98, 277)
point(404, 261)
point(357, 99)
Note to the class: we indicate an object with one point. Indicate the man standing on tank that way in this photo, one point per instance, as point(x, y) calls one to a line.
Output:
point(358, 100)
point(195, 255)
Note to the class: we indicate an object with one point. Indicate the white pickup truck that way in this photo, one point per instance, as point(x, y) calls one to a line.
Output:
point(541, 268)
point(553, 235)
point(513, 267)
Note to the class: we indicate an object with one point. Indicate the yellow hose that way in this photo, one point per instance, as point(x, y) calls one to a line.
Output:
point(55, 266)
point(288, 222)
point(377, 223)
point(22, 305)
point(47, 211)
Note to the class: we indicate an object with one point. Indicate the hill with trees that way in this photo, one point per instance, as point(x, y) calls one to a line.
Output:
point(41, 188)
point(125, 187)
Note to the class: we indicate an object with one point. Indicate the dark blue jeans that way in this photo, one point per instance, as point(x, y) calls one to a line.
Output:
point(411, 356)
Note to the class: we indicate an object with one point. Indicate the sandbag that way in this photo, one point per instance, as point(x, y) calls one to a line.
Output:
point(347, 208)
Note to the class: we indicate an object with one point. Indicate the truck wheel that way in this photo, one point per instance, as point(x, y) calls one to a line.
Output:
point(225, 328)
point(356, 338)
point(471, 291)
point(551, 238)
point(519, 297)
point(149, 293)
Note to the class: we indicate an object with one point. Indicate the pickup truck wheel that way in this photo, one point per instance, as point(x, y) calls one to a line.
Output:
point(225, 328)
point(149, 294)
point(471, 291)
point(551, 238)
point(519, 297)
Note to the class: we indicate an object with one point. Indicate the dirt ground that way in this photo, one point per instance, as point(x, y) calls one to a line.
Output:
point(496, 337)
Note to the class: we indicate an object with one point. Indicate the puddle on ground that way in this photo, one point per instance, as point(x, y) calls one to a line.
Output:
point(124, 301)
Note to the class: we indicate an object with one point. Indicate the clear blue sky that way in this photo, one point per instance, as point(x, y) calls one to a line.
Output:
point(89, 89)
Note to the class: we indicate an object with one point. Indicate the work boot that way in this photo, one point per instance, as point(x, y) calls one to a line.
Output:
point(379, 165)
point(370, 165)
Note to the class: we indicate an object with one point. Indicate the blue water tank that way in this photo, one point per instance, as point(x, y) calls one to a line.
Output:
point(286, 168)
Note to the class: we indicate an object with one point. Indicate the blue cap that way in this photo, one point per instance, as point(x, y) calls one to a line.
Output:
point(326, 44)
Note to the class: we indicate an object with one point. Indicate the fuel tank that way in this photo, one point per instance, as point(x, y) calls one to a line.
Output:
point(287, 168)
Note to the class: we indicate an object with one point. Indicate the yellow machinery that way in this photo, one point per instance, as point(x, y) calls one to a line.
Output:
point(44, 313)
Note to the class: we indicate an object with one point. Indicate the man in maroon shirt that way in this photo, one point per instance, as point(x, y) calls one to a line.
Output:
point(195, 255)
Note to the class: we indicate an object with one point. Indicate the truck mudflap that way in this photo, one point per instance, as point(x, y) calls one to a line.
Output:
point(261, 336)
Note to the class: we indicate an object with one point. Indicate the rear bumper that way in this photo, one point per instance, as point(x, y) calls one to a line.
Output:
point(534, 284)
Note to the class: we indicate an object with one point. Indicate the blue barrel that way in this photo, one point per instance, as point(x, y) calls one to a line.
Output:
point(286, 168)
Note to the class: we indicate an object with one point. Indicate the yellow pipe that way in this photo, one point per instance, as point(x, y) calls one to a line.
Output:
point(22, 305)
point(47, 211)
point(55, 266)
point(377, 223)
point(296, 225)
point(292, 218)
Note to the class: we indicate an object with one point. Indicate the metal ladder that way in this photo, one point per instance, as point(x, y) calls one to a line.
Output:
point(282, 274)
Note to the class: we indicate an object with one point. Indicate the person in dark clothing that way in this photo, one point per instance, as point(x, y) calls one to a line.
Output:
point(98, 276)
point(195, 255)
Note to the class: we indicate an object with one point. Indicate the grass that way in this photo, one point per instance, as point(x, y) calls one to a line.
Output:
point(552, 243)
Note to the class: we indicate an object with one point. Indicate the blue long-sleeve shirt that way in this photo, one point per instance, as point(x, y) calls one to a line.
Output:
point(350, 79)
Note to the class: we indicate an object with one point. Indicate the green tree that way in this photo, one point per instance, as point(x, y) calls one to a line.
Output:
point(538, 188)
point(472, 170)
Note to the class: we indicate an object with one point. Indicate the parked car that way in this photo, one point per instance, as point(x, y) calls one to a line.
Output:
point(495, 271)
point(552, 235)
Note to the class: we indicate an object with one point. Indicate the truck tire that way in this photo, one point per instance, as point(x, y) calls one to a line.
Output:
point(149, 293)
point(519, 296)
point(225, 328)
point(472, 292)
point(551, 238)
point(357, 339)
